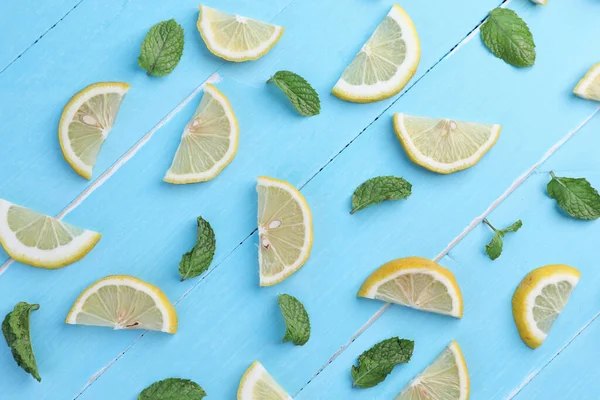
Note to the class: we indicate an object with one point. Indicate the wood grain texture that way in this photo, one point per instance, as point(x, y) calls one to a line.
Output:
point(227, 321)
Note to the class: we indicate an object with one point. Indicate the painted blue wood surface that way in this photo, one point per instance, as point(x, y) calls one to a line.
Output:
point(226, 320)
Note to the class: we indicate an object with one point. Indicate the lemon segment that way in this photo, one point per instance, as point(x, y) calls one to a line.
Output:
point(284, 228)
point(417, 283)
point(447, 378)
point(386, 62)
point(540, 298)
point(124, 302)
point(86, 121)
point(209, 141)
point(258, 384)
point(589, 86)
point(444, 145)
point(40, 240)
point(236, 38)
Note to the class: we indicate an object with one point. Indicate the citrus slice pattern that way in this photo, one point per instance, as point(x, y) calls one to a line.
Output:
point(42, 241)
point(258, 384)
point(589, 86)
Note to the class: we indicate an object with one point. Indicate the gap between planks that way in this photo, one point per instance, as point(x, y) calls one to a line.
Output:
point(518, 182)
point(452, 51)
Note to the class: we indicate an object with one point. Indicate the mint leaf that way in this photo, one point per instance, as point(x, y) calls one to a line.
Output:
point(16, 332)
point(297, 323)
point(197, 260)
point(302, 96)
point(162, 48)
point(509, 38)
point(173, 389)
point(494, 248)
point(375, 364)
point(576, 196)
point(379, 189)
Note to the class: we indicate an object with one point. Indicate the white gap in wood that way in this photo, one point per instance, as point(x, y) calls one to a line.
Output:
point(214, 78)
point(458, 238)
point(536, 372)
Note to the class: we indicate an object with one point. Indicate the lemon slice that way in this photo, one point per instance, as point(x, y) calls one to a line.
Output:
point(40, 240)
point(284, 228)
point(447, 378)
point(415, 282)
point(258, 384)
point(86, 121)
point(209, 142)
point(444, 145)
point(540, 298)
point(385, 63)
point(124, 302)
point(589, 86)
point(236, 38)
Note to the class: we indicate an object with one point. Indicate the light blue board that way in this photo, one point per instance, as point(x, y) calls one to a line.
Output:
point(148, 226)
point(23, 23)
point(583, 383)
point(115, 33)
point(497, 359)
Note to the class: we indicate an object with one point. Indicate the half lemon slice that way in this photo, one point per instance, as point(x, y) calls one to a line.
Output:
point(540, 298)
point(447, 378)
point(209, 142)
point(124, 302)
point(40, 240)
point(86, 121)
point(236, 38)
point(258, 384)
point(285, 230)
point(589, 86)
point(444, 145)
point(385, 63)
point(415, 282)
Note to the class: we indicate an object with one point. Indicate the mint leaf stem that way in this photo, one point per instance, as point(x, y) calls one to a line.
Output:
point(485, 221)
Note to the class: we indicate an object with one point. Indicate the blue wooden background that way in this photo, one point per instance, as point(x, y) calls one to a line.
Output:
point(50, 50)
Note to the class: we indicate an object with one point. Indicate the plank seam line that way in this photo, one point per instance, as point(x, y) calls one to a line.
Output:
point(40, 38)
point(536, 372)
point(520, 180)
point(129, 154)
point(450, 52)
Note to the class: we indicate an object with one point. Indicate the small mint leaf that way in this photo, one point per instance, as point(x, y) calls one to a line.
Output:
point(299, 92)
point(494, 248)
point(196, 261)
point(375, 364)
point(379, 189)
point(297, 323)
point(173, 389)
point(162, 48)
point(18, 337)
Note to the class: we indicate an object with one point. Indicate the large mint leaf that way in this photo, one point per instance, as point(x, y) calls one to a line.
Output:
point(575, 196)
point(297, 323)
point(379, 189)
point(162, 48)
point(18, 337)
point(509, 38)
point(173, 389)
point(197, 260)
point(302, 96)
point(375, 364)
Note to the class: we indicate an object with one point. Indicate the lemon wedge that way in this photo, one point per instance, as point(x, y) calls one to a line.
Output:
point(86, 121)
point(258, 384)
point(236, 38)
point(540, 298)
point(124, 302)
point(284, 228)
point(40, 240)
point(447, 378)
point(589, 86)
point(444, 145)
point(385, 63)
point(415, 282)
point(209, 141)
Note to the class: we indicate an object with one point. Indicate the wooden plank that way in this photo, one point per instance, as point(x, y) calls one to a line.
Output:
point(347, 247)
point(573, 374)
point(498, 361)
point(147, 226)
point(23, 23)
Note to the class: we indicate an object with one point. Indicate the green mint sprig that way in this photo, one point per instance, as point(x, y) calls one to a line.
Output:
point(375, 364)
point(575, 196)
point(303, 97)
point(173, 389)
point(379, 189)
point(196, 261)
point(162, 48)
point(494, 248)
point(509, 38)
point(18, 337)
point(297, 323)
